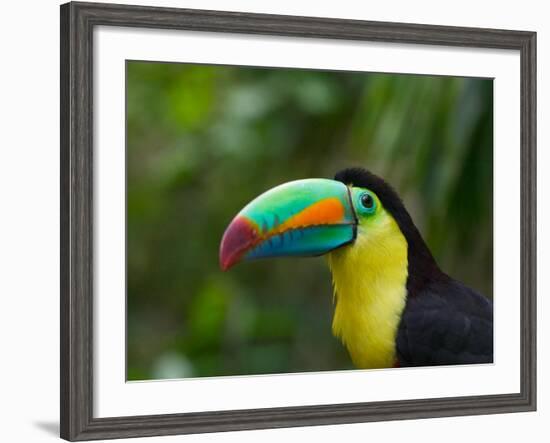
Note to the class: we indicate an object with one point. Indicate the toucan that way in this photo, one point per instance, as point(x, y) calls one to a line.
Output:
point(394, 306)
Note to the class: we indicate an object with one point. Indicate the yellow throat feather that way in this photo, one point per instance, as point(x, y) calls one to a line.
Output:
point(369, 278)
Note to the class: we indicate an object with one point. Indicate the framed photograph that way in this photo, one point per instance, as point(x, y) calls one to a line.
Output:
point(273, 221)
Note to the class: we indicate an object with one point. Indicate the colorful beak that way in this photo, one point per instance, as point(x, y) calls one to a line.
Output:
point(300, 218)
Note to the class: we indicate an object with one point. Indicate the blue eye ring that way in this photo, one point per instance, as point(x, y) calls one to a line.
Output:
point(367, 203)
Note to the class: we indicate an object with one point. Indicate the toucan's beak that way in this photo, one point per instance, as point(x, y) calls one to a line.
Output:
point(300, 218)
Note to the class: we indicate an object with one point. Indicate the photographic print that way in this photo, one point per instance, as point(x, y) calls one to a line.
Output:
point(288, 220)
point(272, 221)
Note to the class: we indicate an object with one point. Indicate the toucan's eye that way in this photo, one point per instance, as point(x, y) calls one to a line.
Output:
point(367, 202)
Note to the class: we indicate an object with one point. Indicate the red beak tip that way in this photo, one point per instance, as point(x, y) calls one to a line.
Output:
point(237, 239)
point(224, 266)
point(227, 256)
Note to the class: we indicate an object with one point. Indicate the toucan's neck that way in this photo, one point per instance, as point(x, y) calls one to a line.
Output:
point(422, 267)
point(370, 284)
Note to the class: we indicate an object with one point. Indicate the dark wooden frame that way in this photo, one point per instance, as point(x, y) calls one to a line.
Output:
point(77, 23)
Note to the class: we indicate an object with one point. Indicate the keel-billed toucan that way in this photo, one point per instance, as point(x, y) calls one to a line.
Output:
point(394, 306)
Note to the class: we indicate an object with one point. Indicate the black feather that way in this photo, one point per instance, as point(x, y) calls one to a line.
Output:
point(446, 323)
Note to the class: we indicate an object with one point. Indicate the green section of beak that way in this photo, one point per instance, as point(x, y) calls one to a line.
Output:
point(300, 218)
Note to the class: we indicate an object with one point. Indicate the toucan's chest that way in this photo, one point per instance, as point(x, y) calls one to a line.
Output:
point(369, 280)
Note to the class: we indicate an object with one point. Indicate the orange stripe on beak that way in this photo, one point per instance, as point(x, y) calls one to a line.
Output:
point(324, 212)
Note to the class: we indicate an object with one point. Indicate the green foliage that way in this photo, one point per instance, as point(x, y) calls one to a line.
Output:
point(203, 140)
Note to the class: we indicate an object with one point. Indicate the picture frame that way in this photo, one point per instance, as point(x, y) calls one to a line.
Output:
point(78, 21)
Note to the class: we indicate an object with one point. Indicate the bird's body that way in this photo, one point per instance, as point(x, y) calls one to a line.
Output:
point(393, 305)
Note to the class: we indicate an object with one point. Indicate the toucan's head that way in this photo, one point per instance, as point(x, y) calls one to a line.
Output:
point(314, 217)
